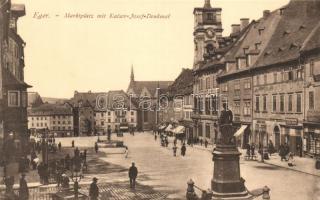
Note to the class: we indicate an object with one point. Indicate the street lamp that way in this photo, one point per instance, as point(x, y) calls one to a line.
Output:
point(76, 175)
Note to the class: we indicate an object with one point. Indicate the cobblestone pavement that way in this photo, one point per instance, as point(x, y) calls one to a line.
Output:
point(108, 191)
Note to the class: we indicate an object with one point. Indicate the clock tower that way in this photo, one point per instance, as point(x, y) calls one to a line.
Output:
point(207, 31)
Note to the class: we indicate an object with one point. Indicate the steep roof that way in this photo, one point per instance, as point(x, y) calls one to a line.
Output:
point(298, 20)
point(255, 40)
point(313, 40)
point(10, 80)
point(183, 84)
point(50, 109)
point(34, 99)
point(151, 86)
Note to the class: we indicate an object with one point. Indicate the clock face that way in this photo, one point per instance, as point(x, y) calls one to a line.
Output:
point(210, 33)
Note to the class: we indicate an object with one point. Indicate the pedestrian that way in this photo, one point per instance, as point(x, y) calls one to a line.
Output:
point(94, 189)
point(282, 153)
point(96, 148)
point(183, 149)
point(299, 150)
point(271, 148)
point(174, 150)
point(59, 146)
point(291, 161)
point(155, 137)
point(133, 173)
point(76, 153)
point(248, 150)
point(72, 143)
point(126, 152)
point(206, 143)
point(175, 141)
point(23, 188)
point(201, 142)
point(252, 148)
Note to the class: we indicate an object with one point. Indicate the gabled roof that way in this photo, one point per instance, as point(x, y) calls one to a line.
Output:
point(151, 86)
point(298, 20)
point(183, 85)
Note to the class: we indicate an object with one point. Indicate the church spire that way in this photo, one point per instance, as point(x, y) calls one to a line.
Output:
point(207, 4)
point(132, 74)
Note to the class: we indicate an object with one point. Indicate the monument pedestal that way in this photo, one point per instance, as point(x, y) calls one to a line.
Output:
point(226, 182)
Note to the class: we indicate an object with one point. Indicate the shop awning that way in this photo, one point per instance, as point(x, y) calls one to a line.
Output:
point(240, 131)
point(169, 128)
point(178, 130)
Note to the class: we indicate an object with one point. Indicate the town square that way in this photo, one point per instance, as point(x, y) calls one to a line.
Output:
point(136, 100)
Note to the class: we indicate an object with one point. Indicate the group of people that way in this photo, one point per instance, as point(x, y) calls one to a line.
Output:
point(94, 189)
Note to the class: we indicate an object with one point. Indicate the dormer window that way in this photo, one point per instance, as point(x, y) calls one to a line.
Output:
point(257, 45)
point(260, 30)
point(286, 32)
point(302, 27)
point(293, 45)
point(245, 49)
point(267, 53)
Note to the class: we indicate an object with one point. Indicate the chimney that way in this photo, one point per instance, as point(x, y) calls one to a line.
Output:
point(266, 13)
point(244, 22)
point(235, 28)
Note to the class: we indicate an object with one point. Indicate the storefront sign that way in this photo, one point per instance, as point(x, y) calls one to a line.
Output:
point(291, 121)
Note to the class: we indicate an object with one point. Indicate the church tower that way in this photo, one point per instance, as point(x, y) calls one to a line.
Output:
point(132, 74)
point(207, 31)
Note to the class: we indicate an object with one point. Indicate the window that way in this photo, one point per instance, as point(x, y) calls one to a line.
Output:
point(132, 120)
point(265, 103)
point(257, 103)
point(102, 114)
point(299, 102)
point(53, 122)
point(299, 74)
point(311, 100)
point(210, 16)
point(224, 88)
point(290, 76)
point(265, 79)
point(200, 129)
point(132, 113)
point(282, 103)
point(290, 103)
point(24, 99)
point(109, 113)
point(208, 83)
point(258, 79)
point(311, 67)
point(247, 84)
point(102, 123)
point(274, 103)
point(275, 77)
point(109, 120)
point(237, 107)
point(247, 108)
point(13, 98)
point(207, 130)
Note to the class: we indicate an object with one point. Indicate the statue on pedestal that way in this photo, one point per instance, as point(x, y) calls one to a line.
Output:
point(225, 125)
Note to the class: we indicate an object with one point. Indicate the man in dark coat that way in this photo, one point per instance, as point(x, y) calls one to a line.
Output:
point(94, 190)
point(23, 189)
point(183, 149)
point(133, 173)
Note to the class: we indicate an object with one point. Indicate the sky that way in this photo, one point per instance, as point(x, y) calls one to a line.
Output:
point(67, 54)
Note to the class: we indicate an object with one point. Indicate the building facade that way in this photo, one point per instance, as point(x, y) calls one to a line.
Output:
point(54, 118)
point(147, 95)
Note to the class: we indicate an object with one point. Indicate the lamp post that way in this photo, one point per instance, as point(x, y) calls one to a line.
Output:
point(76, 175)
